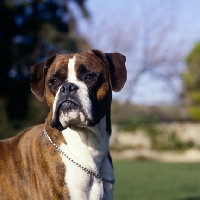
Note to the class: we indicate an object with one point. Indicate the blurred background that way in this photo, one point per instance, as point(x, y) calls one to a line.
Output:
point(155, 117)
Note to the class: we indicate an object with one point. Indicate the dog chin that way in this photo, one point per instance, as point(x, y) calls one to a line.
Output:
point(75, 117)
point(68, 114)
point(71, 117)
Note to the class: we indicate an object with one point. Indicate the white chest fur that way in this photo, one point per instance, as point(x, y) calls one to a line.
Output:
point(88, 147)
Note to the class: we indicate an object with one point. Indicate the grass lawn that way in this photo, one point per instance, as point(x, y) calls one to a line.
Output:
point(156, 181)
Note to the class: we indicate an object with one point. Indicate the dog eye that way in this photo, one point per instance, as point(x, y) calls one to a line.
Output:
point(91, 77)
point(52, 82)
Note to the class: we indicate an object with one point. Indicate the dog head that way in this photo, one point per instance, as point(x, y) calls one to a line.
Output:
point(78, 87)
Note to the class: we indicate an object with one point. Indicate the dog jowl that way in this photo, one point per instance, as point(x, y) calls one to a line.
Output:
point(73, 160)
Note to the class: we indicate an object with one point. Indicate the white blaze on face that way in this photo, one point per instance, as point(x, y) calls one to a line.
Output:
point(82, 94)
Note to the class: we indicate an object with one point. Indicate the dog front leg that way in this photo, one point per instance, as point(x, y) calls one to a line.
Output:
point(107, 171)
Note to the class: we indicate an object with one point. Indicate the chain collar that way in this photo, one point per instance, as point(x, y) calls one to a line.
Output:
point(112, 181)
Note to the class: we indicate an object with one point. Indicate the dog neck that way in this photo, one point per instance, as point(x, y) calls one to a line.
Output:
point(88, 146)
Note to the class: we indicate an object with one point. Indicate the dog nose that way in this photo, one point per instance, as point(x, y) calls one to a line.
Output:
point(68, 88)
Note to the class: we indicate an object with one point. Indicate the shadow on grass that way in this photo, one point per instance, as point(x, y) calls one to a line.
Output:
point(191, 198)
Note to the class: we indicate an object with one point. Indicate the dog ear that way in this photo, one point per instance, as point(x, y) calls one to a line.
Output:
point(117, 68)
point(118, 73)
point(38, 73)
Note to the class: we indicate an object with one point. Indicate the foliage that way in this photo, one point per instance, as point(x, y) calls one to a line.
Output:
point(161, 139)
point(134, 123)
point(152, 180)
point(30, 31)
point(37, 113)
point(194, 111)
point(144, 113)
point(131, 118)
point(191, 82)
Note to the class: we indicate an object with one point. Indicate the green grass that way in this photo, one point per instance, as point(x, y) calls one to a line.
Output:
point(156, 181)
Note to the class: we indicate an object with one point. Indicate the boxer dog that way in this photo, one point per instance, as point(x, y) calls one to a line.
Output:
point(67, 157)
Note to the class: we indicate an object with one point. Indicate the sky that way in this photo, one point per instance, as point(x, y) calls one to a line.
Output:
point(126, 26)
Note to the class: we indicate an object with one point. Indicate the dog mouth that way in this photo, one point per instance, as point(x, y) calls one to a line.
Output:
point(63, 107)
point(73, 109)
point(70, 111)
point(68, 105)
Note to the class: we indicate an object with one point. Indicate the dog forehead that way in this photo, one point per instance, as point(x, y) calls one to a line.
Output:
point(79, 59)
point(59, 65)
point(61, 61)
point(90, 61)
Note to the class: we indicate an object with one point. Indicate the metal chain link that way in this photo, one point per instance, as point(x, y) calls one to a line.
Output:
point(112, 181)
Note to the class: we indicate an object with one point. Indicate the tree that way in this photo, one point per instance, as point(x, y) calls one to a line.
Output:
point(30, 31)
point(191, 82)
point(144, 32)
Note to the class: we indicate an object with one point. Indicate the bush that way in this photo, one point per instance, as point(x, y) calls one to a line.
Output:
point(191, 82)
point(37, 113)
point(194, 111)
point(134, 123)
point(160, 139)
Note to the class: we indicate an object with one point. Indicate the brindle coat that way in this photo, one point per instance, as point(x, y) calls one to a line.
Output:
point(30, 167)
